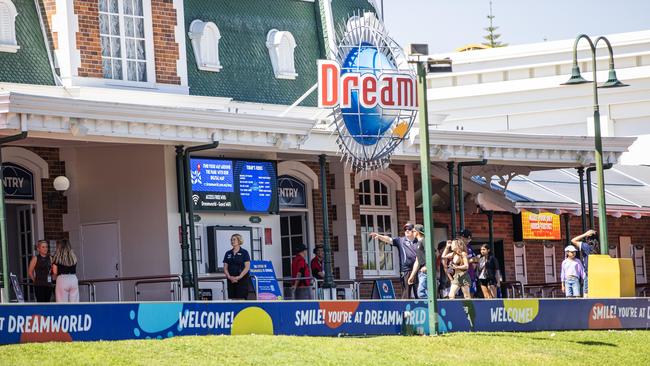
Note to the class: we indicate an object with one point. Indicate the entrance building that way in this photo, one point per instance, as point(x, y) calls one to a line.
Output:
point(111, 121)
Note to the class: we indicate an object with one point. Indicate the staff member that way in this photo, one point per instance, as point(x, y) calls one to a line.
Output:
point(39, 271)
point(407, 247)
point(317, 263)
point(300, 271)
point(236, 263)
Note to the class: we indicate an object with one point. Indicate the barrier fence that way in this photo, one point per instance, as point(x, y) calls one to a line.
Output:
point(509, 289)
point(20, 323)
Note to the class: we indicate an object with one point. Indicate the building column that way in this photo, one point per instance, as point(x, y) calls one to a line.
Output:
point(344, 228)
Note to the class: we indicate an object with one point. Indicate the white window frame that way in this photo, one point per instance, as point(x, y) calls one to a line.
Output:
point(149, 49)
point(639, 264)
point(375, 210)
point(520, 261)
point(550, 267)
point(10, 45)
point(281, 45)
point(200, 43)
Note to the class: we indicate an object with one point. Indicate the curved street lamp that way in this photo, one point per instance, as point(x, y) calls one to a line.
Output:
point(612, 82)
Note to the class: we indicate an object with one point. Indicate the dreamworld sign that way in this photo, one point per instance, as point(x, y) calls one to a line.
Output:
point(372, 91)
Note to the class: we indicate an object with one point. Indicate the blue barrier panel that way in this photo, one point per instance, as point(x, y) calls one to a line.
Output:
point(21, 323)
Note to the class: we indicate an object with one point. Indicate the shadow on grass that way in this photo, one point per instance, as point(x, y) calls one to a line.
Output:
point(549, 339)
point(595, 343)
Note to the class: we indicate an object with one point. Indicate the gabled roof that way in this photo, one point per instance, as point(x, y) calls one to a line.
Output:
point(30, 64)
point(247, 74)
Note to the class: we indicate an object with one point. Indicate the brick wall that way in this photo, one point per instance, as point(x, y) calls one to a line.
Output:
point(88, 41)
point(55, 208)
point(166, 51)
point(48, 9)
point(164, 40)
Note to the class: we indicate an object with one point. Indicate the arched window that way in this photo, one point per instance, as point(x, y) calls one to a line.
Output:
point(8, 27)
point(205, 38)
point(376, 215)
point(281, 45)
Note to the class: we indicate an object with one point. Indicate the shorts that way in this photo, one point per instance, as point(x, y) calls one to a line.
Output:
point(461, 279)
point(487, 282)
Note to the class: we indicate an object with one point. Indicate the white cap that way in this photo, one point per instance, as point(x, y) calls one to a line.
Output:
point(570, 248)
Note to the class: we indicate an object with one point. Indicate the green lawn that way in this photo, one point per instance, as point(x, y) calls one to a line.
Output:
point(584, 347)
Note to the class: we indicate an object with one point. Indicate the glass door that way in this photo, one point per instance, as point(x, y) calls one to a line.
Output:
point(26, 243)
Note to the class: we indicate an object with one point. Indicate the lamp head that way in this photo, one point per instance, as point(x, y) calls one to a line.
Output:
point(612, 81)
point(575, 78)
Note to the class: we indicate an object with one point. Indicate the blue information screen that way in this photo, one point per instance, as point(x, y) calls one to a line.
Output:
point(234, 185)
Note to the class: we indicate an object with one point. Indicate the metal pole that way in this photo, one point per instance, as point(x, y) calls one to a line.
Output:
point(185, 255)
point(589, 194)
point(190, 210)
point(602, 206)
point(3, 219)
point(490, 216)
point(427, 208)
point(590, 199)
point(567, 228)
point(461, 201)
point(452, 198)
point(327, 261)
point(583, 219)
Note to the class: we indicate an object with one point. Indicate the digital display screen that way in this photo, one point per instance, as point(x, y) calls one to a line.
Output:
point(234, 185)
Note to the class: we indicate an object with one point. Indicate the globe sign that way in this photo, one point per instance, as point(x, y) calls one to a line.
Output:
point(372, 91)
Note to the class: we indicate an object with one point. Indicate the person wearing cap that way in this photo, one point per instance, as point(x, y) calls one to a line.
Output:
point(419, 267)
point(572, 273)
point(407, 247)
point(300, 272)
point(586, 244)
point(317, 263)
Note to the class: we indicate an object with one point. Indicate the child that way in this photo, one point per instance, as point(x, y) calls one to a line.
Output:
point(572, 273)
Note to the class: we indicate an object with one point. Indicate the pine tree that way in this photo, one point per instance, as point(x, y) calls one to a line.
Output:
point(492, 38)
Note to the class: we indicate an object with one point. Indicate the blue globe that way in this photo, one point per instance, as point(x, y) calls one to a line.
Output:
point(366, 125)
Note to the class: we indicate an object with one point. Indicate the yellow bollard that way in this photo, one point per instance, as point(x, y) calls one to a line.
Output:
point(610, 277)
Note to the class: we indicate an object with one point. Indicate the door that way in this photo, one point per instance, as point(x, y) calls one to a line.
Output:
point(25, 233)
point(292, 233)
point(101, 257)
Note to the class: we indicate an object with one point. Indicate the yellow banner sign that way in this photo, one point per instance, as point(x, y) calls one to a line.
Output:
point(541, 226)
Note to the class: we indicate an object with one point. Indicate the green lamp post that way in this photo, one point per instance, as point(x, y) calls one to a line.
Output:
point(418, 54)
point(612, 82)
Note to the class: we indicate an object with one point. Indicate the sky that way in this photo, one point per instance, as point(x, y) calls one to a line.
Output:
point(447, 25)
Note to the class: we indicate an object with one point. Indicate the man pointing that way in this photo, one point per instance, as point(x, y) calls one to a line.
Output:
point(407, 247)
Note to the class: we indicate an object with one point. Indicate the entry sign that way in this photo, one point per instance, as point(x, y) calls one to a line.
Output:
point(291, 192)
point(384, 289)
point(18, 182)
point(267, 284)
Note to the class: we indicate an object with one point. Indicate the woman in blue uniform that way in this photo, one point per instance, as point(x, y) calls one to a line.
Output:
point(236, 264)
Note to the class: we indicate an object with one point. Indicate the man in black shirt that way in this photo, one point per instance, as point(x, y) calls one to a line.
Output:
point(406, 246)
point(419, 271)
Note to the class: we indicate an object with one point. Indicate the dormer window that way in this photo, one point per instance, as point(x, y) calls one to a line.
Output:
point(205, 38)
point(8, 27)
point(281, 45)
